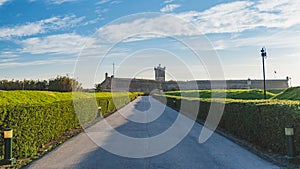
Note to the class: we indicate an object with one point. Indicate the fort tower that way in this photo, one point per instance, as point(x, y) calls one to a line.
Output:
point(160, 73)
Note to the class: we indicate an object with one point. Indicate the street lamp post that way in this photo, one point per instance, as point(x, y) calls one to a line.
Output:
point(264, 56)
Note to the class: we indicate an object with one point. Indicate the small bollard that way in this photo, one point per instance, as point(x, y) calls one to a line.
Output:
point(174, 104)
point(289, 135)
point(99, 112)
point(8, 135)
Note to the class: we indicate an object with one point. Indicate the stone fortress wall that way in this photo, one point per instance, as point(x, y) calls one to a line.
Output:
point(148, 85)
point(128, 84)
point(230, 84)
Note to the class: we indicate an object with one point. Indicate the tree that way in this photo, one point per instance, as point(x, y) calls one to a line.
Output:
point(98, 87)
point(64, 84)
point(60, 83)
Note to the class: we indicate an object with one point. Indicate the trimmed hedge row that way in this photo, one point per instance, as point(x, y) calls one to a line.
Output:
point(244, 94)
point(292, 93)
point(259, 122)
point(35, 125)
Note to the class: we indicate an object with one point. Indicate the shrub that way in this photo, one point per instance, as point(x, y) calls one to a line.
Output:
point(232, 94)
point(259, 122)
point(34, 125)
point(292, 93)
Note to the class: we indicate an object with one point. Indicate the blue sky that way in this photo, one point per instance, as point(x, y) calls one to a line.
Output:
point(43, 39)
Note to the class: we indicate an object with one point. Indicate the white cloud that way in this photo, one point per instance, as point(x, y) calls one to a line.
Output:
point(93, 21)
point(269, 5)
point(3, 2)
point(231, 17)
point(146, 28)
point(55, 44)
point(36, 62)
point(70, 44)
point(38, 27)
point(244, 15)
point(57, 2)
point(102, 2)
point(60, 1)
point(272, 40)
point(63, 48)
point(169, 7)
point(168, 1)
point(8, 54)
point(13, 59)
point(106, 1)
point(115, 2)
point(8, 60)
point(101, 11)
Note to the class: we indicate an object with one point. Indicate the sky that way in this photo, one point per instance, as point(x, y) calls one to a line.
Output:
point(41, 39)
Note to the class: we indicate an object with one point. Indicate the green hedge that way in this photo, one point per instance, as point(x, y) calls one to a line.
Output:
point(259, 122)
point(245, 94)
point(292, 93)
point(35, 125)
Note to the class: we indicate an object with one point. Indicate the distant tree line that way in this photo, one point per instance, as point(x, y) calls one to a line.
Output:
point(60, 83)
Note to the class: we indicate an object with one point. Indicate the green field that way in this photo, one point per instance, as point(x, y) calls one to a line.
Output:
point(292, 93)
point(25, 97)
point(230, 94)
point(276, 91)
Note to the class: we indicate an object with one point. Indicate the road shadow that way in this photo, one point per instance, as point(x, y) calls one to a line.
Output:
point(101, 158)
point(82, 152)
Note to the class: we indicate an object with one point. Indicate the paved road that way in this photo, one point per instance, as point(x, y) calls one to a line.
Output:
point(82, 152)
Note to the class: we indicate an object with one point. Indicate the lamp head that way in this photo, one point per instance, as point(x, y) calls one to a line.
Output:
point(8, 133)
point(263, 52)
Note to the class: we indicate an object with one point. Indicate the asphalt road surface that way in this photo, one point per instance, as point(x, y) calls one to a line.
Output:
point(101, 147)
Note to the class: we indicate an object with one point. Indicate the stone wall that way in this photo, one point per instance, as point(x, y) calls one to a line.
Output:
point(230, 84)
point(146, 85)
point(132, 85)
